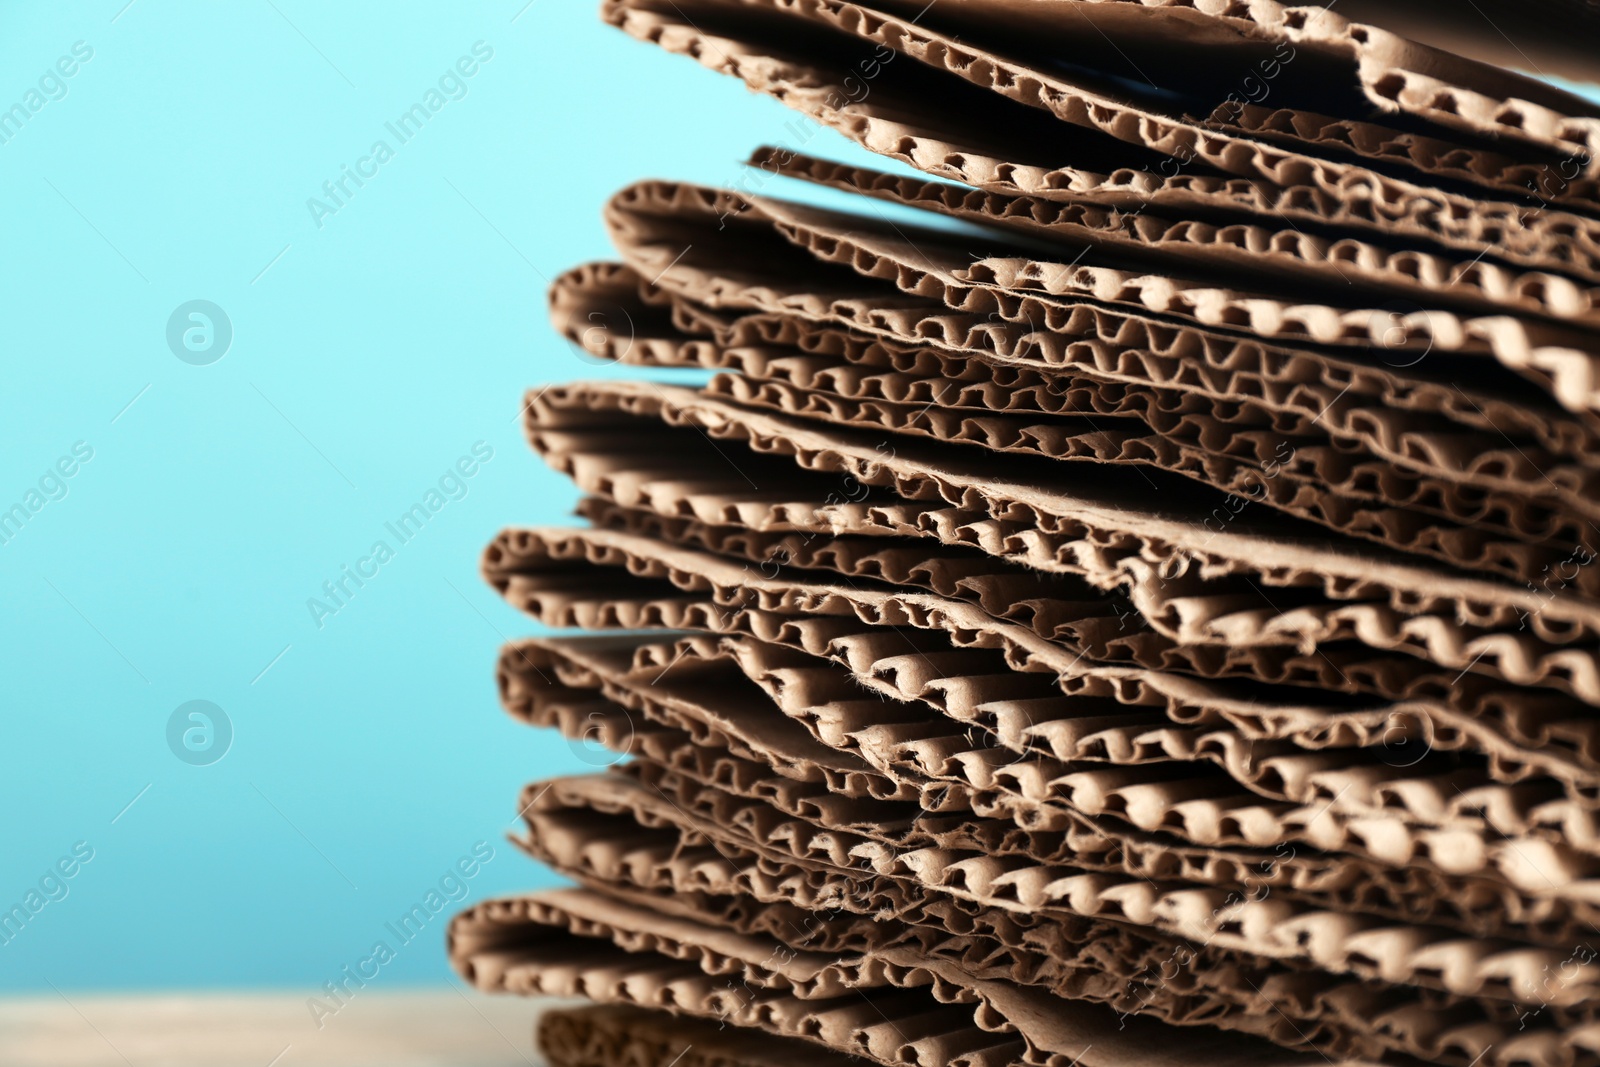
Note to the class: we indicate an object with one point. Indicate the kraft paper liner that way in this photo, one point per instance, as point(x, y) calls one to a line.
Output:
point(1519, 740)
point(843, 97)
point(1532, 869)
point(619, 1035)
point(714, 751)
point(1261, 253)
point(1298, 391)
point(650, 223)
point(1481, 534)
point(754, 836)
point(1488, 103)
point(594, 839)
point(890, 1007)
point(1454, 607)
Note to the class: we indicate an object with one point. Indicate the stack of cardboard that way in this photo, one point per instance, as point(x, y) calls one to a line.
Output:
point(1121, 598)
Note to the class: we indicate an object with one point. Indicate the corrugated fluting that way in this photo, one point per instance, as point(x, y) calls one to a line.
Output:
point(1120, 590)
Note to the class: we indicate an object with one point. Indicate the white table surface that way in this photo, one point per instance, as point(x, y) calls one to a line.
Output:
point(446, 1027)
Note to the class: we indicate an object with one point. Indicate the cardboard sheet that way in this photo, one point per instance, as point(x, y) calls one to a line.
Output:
point(1121, 597)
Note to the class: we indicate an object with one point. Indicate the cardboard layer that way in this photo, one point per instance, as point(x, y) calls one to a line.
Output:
point(620, 1035)
point(650, 223)
point(1152, 814)
point(845, 86)
point(612, 844)
point(1395, 75)
point(890, 1007)
point(1394, 604)
point(1521, 736)
point(1370, 405)
point(1275, 462)
point(1256, 253)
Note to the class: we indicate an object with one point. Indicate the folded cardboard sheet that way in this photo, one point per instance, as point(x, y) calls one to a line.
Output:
point(1123, 595)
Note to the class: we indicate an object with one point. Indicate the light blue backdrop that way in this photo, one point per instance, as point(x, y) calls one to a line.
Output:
point(367, 355)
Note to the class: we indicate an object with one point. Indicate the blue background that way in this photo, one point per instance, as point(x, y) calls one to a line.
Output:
point(367, 356)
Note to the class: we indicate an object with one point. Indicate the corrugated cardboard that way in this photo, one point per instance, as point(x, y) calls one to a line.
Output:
point(1125, 601)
